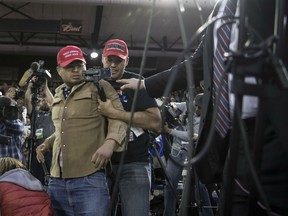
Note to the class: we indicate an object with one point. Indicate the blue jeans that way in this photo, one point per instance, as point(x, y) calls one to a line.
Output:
point(174, 172)
point(87, 195)
point(134, 188)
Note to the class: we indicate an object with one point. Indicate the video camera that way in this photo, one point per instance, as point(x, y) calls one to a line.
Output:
point(41, 74)
point(171, 115)
point(20, 94)
point(38, 71)
point(96, 73)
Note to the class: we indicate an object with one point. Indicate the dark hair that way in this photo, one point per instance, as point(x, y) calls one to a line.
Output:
point(5, 101)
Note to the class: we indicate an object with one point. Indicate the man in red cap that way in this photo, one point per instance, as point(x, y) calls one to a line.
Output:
point(135, 177)
point(81, 145)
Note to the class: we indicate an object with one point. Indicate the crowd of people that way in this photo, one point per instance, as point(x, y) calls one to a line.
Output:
point(86, 148)
point(80, 169)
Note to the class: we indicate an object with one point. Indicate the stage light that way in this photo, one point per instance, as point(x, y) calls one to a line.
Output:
point(94, 54)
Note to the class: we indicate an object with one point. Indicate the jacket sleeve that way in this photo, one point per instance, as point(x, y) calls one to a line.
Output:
point(49, 141)
point(116, 129)
point(156, 84)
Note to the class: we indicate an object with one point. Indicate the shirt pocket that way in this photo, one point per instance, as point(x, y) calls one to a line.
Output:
point(82, 105)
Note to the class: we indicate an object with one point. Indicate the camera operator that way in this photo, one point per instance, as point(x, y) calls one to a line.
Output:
point(43, 123)
point(179, 153)
point(11, 130)
point(40, 89)
point(18, 95)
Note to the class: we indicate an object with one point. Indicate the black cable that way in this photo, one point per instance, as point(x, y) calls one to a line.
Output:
point(200, 155)
point(115, 187)
point(250, 163)
point(190, 84)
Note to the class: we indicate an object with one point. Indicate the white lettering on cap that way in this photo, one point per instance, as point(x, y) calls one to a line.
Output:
point(71, 53)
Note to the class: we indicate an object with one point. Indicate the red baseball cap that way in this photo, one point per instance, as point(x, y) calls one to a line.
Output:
point(116, 47)
point(68, 54)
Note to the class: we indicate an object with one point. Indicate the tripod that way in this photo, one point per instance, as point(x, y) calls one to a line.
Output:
point(32, 144)
point(155, 146)
point(196, 204)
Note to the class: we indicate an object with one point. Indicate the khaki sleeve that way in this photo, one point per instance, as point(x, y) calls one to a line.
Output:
point(49, 141)
point(116, 129)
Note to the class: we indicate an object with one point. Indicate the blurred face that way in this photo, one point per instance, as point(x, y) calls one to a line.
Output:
point(197, 110)
point(20, 102)
point(44, 105)
point(116, 64)
point(72, 73)
point(11, 93)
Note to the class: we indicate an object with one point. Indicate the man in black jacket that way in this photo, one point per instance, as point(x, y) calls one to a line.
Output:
point(273, 140)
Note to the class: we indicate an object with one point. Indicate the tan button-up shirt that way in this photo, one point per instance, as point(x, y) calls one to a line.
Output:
point(80, 129)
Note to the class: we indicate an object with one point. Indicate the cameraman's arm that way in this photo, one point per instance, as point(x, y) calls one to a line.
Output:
point(183, 135)
point(28, 98)
point(48, 93)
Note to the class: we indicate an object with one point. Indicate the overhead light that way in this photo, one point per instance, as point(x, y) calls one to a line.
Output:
point(182, 8)
point(94, 54)
point(181, 5)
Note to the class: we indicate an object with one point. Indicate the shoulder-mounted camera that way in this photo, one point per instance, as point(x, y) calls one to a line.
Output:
point(36, 70)
point(40, 73)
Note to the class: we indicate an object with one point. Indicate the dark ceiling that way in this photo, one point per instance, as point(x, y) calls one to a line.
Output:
point(36, 30)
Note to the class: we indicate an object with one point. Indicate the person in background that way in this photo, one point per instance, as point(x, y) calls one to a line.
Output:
point(41, 117)
point(178, 155)
point(3, 87)
point(11, 130)
point(18, 95)
point(83, 141)
point(20, 192)
point(11, 92)
point(135, 176)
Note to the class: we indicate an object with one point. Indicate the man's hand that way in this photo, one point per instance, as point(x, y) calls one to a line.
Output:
point(40, 150)
point(106, 108)
point(167, 129)
point(131, 83)
point(195, 137)
point(102, 156)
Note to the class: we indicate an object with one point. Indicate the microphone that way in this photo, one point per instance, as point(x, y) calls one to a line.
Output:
point(35, 66)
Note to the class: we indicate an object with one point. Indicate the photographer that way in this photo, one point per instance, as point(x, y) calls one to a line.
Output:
point(18, 95)
point(40, 117)
point(179, 153)
point(40, 89)
point(11, 130)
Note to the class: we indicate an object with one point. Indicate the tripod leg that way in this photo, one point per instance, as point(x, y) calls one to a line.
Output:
point(165, 173)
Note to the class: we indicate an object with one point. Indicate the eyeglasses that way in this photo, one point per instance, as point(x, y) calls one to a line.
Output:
point(73, 65)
